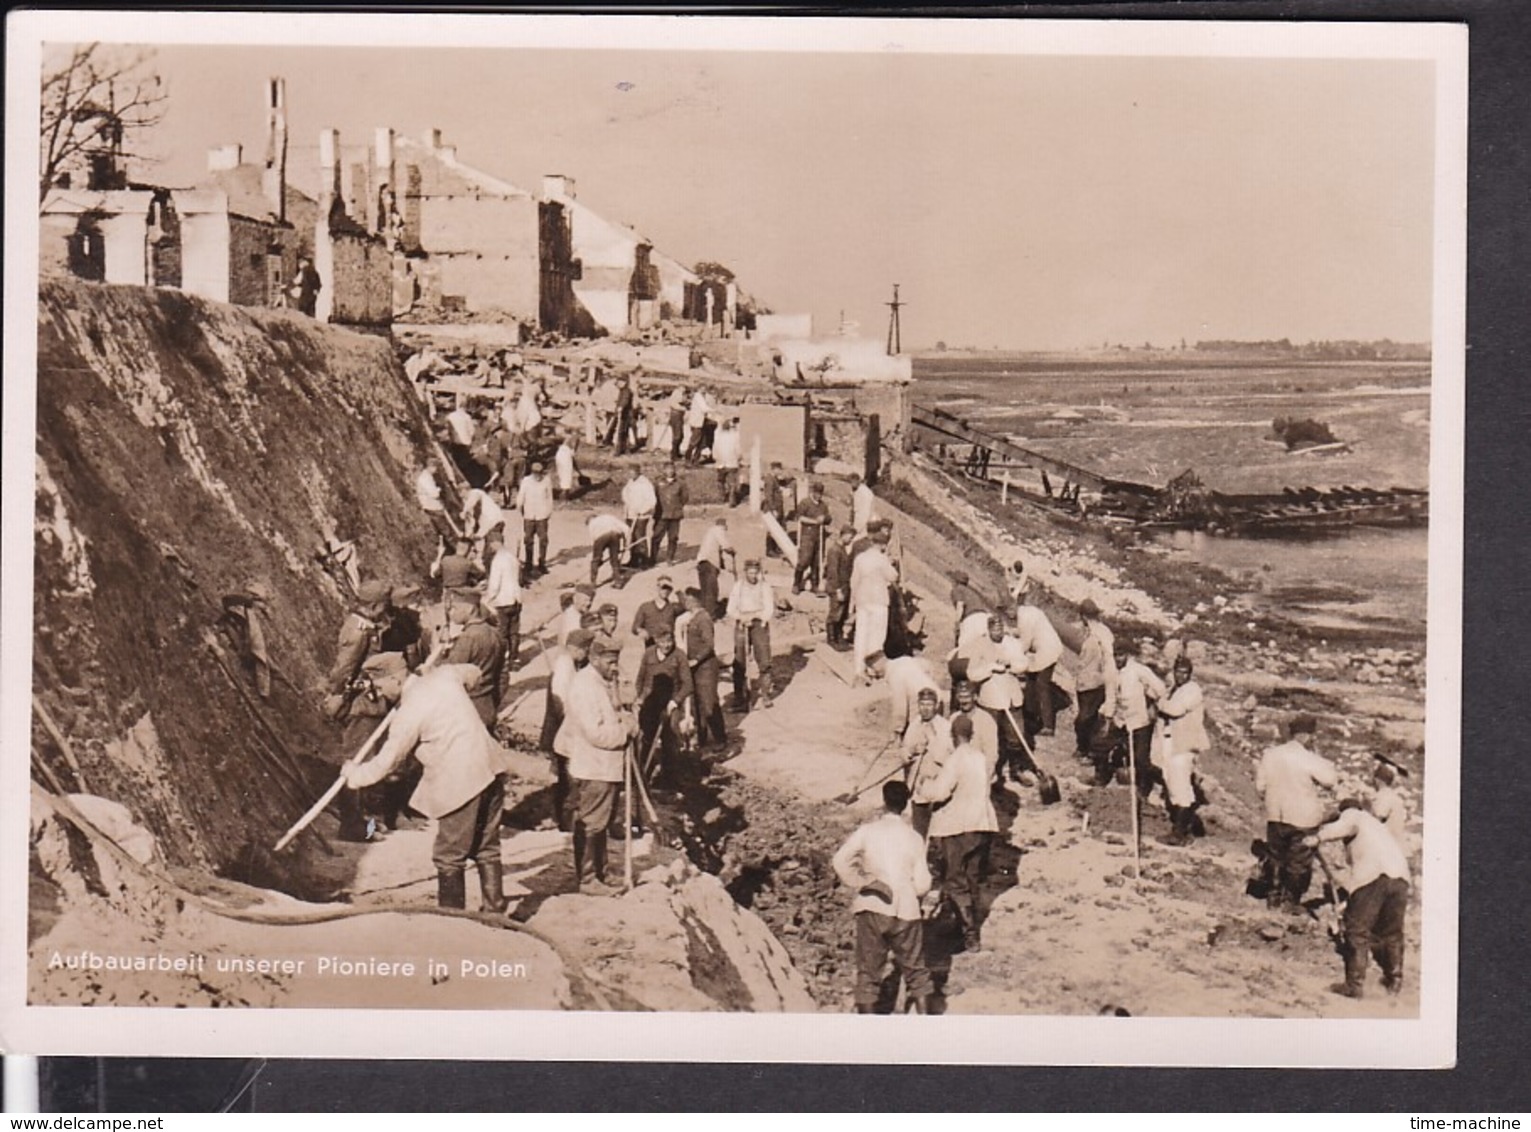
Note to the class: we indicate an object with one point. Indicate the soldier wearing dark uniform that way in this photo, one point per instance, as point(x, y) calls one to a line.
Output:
point(837, 581)
point(349, 700)
point(813, 519)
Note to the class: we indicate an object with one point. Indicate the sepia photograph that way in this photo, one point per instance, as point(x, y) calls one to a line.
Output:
point(614, 534)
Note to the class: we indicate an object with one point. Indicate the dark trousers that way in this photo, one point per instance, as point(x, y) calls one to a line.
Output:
point(654, 723)
point(728, 485)
point(622, 427)
point(754, 638)
point(1012, 751)
point(1293, 860)
point(962, 859)
point(1114, 747)
point(1091, 700)
point(511, 474)
point(380, 801)
point(677, 430)
point(443, 524)
point(707, 582)
point(536, 533)
point(471, 831)
point(667, 534)
point(1374, 926)
point(876, 936)
point(1039, 703)
point(834, 625)
point(709, 713)
point(508, 620)
point(640, 547)
point(609, 547)
point(699, 439)
point(595, 804)
point(806, 576)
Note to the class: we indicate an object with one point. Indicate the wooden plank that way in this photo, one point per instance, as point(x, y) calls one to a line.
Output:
point(943, 423)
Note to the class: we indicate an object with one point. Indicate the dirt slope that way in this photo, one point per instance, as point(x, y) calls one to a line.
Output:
point(184, 449)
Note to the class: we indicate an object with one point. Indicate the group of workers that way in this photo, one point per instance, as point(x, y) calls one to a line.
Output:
point(930, 844)
point(439, 675)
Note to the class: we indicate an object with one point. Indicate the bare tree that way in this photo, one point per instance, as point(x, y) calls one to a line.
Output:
point(96, 103)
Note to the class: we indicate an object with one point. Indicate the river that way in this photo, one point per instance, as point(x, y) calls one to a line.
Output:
point(1149, 419)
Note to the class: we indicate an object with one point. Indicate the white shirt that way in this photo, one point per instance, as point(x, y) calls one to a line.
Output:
point(462, 426)
point(604, 524)
point(1097, 669)
point(1185, 731)
point(568, 621)
point(907, 675)
point(963, 785)
point(528, 416)
point(1038, 637)
point(992, 667)
point(1374, 852)
point(697, 417)
point(593, 736)
point(862, 504)
point(563, 463)
point(1288, 778)
point(871, 575)
point(438, 723)
point(748, 602)
point(885, 849)
point(563, 672)
point(928, 746)
point(1136, 685)
point(725, 448)
point(504, 586)
point(481, 513)
point(428, 492)
point(974, 627)
point(638, 498)
point(537, 497)
point(714, 543)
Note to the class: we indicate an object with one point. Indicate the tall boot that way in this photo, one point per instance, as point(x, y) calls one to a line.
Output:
point(967, 912)
point(592, 877)
point(581, 853)
point(1355, 972)
point(491, 881)
point(451, 888)
point(596, 847)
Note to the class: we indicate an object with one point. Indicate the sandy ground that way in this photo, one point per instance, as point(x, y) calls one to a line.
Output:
point(1070, 929)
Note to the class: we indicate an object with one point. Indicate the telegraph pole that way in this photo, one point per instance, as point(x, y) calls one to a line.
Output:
point(895, 336)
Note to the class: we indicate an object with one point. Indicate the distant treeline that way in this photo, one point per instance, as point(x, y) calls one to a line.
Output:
point(1384, 350)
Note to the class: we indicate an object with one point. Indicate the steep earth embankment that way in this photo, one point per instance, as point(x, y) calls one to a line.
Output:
point(184, 450)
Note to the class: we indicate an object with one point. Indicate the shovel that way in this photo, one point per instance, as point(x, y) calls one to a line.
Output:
point(847, 798)
point(1047, 784)
point(1334, 921)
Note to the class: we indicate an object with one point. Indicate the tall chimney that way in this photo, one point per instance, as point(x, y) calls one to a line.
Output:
point(274, 178)
point(329, 166)
point(384, 192)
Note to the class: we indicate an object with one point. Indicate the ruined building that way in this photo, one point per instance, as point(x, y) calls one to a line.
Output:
point(624, 281)
point(237, 238)
point(400, 228)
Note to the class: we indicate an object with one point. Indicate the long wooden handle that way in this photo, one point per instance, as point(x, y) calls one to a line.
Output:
point(1137, 832)
point(335, 788)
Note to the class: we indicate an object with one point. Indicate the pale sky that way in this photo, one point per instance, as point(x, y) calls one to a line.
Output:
point(1021, 201)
